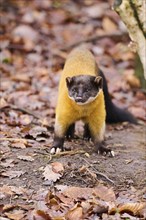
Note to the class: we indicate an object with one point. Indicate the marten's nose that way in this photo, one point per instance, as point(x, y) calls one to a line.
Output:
point(78, 98)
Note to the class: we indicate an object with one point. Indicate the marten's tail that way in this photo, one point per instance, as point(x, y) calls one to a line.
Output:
point(113, 113)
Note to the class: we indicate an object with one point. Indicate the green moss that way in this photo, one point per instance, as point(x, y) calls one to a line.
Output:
point(139, 72)
point(6, 60)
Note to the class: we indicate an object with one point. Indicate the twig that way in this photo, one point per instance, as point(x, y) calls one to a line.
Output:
point(97, 172)
point(69, 152)
point(21, 109)
point(45, 154)
point(60, 154)
point(116, 35)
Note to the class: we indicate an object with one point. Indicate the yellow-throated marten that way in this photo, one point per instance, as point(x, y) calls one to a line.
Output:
point(83, 95)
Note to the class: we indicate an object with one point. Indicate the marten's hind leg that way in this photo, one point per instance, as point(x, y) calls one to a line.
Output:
point(70, 131)
point(87, 134)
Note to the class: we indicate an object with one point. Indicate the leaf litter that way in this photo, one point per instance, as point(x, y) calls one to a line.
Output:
point(34, 184)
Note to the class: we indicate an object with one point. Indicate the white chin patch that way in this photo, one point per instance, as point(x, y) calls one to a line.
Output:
point(91, 99)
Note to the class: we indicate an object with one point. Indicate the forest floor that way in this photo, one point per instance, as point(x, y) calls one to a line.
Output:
point(82, 167)
point(78, 183)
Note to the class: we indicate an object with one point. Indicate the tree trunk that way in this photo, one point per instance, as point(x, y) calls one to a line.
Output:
point(133, 14)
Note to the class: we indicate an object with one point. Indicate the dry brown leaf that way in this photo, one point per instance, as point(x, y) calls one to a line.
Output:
point(9, 207)
point(100, 191)
point(35, 215)
point(104, 193)
point(3, 103)
point(128, 217)
point(21, 77)
point(4, 218)
point(127, 55)
point(18, 190)
point(25, 32)
point(57, 167)
point(6, 190)
point(25, 158)
point(57, 17)
point(131, 79)
point(96, 11)
point(37, 131)
point(108, 25)
point(53, 172)
point(75, 214)
point(7, 163)
point(18, 145)
point(77, 192)
point(133, 208)
point(16, 215)
point(43, 215)
point(12, 174)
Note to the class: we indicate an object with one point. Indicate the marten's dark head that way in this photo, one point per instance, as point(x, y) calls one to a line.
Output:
point(83, 89)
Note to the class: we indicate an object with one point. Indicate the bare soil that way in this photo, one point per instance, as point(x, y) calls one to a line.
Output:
point(126, 169)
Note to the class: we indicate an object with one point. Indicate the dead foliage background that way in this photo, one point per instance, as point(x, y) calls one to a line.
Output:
point(36, 37)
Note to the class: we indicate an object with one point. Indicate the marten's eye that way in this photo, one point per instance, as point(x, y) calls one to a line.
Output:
point(74, 90)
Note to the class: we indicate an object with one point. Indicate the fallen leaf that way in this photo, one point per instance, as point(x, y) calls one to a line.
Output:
point(131, 79)
point(18, 145)
point(44, 215)
point(100, 191)
point(127, 216)
point(57, 17)
point(16, 215)
point(6, 190)
point(132, 208)
point(25, 32)
point(3, 103)
point(12, 174)
point(18, 190)
point(40, 215)
point(21, 77)
point(75, 214)
point(57, 167)
point(7, 163)
point(34, 57)
point(108, 25)
point(96, 11)
point(38, 131)
point(53, 172)
point(3, 218)
point(25, 158)
point(9, 207)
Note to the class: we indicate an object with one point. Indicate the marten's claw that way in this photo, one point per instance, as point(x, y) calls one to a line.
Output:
point(105, 151)
point(112, 153)
point(55, 150)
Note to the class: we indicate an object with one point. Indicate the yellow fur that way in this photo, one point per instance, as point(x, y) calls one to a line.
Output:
point(79, 62)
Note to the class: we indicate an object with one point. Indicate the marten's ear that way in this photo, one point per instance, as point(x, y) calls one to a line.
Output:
point(69, 81)
point(99, 81)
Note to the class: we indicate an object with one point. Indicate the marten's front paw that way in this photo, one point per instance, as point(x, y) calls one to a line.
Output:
point(56, 150)
point(105, 151)
point(57, 145)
